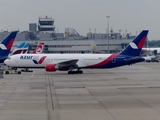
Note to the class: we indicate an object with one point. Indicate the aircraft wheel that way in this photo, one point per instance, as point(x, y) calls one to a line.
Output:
point(7, 72)
point(69, 72)
point(19, 72)
point(77, 72)
point(81, 72)
point(73, 72)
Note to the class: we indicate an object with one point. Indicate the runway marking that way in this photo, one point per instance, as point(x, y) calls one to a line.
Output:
point(32, 75)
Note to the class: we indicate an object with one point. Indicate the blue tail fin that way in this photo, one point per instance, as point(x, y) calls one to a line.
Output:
point(26, 45)
point(21, 45)
point(25, 48)
point(134, 48)
point(7, 43)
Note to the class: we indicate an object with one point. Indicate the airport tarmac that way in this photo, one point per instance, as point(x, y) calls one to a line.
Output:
point(123, 93)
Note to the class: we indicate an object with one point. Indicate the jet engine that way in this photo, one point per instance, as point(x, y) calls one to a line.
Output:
point(50, 67)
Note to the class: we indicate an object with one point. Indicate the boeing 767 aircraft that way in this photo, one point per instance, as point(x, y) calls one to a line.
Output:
point(74, 63)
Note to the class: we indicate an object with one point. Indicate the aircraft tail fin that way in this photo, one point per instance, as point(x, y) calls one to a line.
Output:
point(18, 49)
point(134, 48)
point(39, 48)
point(25, 48)
point(7, 43)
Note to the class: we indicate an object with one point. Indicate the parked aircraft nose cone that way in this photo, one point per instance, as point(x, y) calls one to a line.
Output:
point(6, 62)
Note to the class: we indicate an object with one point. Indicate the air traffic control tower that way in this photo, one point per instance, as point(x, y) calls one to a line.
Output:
point(46, 24)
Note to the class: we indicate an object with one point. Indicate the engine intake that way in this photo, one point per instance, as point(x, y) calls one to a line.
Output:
point(50, 67)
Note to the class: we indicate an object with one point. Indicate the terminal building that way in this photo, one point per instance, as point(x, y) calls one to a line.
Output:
point(70, 41)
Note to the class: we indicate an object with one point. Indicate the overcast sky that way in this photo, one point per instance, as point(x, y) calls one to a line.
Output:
point(82, 15)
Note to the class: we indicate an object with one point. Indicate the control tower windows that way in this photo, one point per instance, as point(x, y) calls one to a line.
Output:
point(46, 22)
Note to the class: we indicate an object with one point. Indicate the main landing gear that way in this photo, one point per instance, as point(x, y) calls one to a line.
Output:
point(75, 72)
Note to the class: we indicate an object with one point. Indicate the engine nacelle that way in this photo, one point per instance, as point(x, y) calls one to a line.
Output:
point(50, 67)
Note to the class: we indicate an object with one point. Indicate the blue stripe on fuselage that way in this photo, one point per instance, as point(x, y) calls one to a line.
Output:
point(117, 61)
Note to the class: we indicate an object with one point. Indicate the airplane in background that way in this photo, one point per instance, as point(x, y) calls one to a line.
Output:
point(150, 54)
point(25, 48)
point(18, 49)
point(22, 48)
point(39, 48)
point(152, 49)
point(150, 58)
point(70, 62)
point(6, 46)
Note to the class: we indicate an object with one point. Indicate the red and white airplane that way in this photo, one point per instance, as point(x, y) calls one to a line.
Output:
point(73, 63)
point(39, 48)
point(22, 48)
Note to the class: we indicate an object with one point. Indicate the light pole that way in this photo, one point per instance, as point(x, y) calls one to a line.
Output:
point(108, 32)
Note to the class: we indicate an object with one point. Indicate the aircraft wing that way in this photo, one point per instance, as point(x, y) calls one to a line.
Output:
point(69, 64)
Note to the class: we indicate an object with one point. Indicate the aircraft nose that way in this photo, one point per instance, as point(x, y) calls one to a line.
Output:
point(6, 62)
